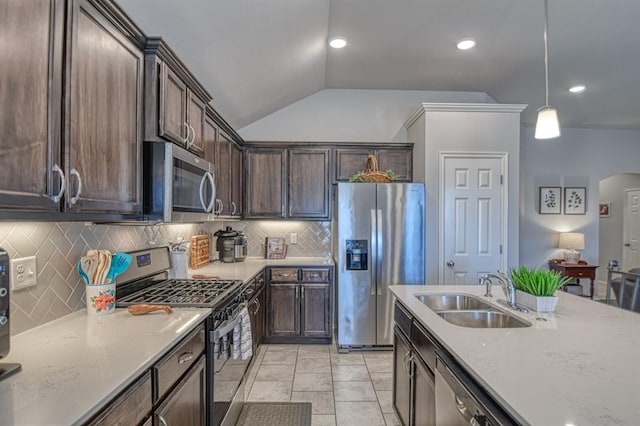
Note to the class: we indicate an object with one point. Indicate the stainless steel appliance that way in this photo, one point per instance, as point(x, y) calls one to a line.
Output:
point(231, 245)
point(178, 186)
point(459, 401)
point(146, 281)
point(5, 330)
point(380, 242)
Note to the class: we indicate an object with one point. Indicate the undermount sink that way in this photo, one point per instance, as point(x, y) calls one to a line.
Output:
point(453, 302)
point(465, 310)
point(483, 319)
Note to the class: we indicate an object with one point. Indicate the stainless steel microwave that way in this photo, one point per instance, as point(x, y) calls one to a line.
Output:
point(178, 186)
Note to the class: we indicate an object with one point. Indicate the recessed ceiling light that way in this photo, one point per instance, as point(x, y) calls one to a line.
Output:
point(337, 42)
point(466, 43)
point(578, 88)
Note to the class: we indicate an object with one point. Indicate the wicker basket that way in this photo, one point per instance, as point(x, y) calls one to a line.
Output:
point(372, 174)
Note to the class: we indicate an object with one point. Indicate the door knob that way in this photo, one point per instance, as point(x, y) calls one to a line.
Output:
point(450, 264)
point(627, 244)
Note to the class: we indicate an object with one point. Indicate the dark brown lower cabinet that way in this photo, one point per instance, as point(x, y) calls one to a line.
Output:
point(186, 404)
point(315, 300)
point(401, 378)
point(257, 308)
point(424, 394)
point(284, 309)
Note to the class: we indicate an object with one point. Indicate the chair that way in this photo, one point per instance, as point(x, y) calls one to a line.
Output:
point(626, 287)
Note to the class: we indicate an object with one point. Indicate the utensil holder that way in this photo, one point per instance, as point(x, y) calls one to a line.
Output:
point(101, 299)
point(179, 264)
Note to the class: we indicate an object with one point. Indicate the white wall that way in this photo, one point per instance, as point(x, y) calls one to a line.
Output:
point(579, 157)
point(337, 115)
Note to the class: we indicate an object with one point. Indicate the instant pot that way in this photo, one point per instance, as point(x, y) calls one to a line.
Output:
point(231, 245)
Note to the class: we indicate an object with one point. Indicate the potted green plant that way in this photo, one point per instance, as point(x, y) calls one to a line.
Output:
point(536, 288)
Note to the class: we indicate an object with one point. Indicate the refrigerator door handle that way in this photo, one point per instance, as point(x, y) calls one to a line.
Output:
point(374, 252)
point(379, 257)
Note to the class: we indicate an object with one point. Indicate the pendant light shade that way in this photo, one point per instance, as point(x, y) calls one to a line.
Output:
point(547, 126)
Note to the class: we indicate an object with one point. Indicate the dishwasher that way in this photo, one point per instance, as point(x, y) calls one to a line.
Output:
point(460, 401)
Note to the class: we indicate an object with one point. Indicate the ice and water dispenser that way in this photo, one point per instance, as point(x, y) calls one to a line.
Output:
point(357, 255)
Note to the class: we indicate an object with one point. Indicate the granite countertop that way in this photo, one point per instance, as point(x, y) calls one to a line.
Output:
point(252, 265)
point(73, 366)
point(578, 366)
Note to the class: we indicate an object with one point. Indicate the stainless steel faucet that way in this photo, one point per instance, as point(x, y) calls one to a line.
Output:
point(484, 280)
point(507, 287)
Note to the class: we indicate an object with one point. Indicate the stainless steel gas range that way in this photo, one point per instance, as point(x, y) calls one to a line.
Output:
point(147, 281)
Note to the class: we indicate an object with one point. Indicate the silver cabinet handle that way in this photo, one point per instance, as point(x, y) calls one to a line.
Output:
point(162, 421)
point(193, 135)
point(185, 357)
point(258, 306)
point(233, 208)
point(186, 138)
point(75, 198)
point(63, 184)
point(297, 291)
point(302, 288)
point(218, 209)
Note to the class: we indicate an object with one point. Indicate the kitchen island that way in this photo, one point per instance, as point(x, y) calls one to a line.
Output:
point(578, 366)
point(75, 365)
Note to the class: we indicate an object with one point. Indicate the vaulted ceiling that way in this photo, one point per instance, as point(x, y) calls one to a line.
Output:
point(257, 56)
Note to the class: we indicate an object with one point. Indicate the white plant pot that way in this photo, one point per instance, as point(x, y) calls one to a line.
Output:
point(537, 303)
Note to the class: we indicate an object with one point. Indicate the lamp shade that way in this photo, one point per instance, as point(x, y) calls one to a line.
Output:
point(571, 240)
point(547, 126)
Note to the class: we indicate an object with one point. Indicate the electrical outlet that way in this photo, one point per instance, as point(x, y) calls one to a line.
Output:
point(23, 273)
point(293, 238)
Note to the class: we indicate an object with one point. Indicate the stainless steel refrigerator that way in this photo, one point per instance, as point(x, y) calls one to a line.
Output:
point(380, 242)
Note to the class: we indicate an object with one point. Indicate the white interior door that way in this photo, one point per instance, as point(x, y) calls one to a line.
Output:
point(472, 215)
point(631, 224)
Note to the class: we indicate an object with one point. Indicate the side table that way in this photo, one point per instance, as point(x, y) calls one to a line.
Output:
point(577, 271)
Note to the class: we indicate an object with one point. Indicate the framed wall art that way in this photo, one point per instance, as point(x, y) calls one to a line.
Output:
point(575, 200)
point(605, 209)
point(550, 200)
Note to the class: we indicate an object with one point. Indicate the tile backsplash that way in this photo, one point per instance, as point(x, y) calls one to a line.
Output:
point(58, 246)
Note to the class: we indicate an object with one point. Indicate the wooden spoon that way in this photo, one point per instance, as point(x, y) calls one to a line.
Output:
point(205, 277)
point(144, 308)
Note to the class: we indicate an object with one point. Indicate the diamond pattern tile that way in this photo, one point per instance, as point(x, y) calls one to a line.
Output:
point(58, 246)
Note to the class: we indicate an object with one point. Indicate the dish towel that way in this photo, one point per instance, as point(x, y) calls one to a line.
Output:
point(246, 344)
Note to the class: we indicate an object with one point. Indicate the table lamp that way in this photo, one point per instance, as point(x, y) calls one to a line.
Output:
point(572, 241)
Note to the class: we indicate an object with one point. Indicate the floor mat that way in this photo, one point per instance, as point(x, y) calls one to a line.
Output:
point(275, 414)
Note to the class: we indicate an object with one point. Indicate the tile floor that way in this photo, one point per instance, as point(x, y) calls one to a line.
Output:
point(345, 389)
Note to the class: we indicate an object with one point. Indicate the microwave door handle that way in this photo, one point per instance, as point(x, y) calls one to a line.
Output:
point(204, 206)
point(213, 192)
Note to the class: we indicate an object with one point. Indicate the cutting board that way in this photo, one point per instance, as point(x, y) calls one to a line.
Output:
point(199, 251)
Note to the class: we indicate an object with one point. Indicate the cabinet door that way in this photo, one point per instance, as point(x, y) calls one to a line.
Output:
point(349, 162)
point(210, 139)
point(173, 107)
point(223, 178)
point(424, 395)
point(316, 310)
point(401, 378)
point(236, 180)
point(131, 407)
point(256, 314)
point(30, 97)
point(186, 405)
point(196, 120)
point(265, 195)
point(308, 183)
point(398, 160)
point(104, 138)
point(284, 310)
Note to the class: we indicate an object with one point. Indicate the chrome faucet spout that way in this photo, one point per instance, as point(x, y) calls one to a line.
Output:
point(486, 281)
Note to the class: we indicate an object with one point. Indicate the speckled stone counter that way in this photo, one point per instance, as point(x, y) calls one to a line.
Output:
point(252, 265)
point(73, 366)
point(579, 366)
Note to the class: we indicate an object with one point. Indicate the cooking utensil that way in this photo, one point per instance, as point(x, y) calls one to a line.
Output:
point(119, 263)
point(106, 265)
point(144, 308)
point(80, 269)
point(90, 264)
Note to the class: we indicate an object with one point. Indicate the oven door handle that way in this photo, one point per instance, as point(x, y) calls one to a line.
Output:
point(226, 326)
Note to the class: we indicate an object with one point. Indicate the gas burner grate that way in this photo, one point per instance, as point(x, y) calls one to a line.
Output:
point(184, 292)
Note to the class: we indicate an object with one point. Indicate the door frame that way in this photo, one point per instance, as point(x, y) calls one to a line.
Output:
point(504, 229)
point(625, 225)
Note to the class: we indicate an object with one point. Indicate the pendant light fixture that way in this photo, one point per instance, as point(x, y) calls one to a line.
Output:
point(547, 126)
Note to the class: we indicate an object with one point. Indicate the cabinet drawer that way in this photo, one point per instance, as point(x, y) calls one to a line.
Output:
point(424, 344)
point(169, 369)
point(284, 275)
point(315, 275)
point(129, 408)
point(255, 285)
point(403, 319)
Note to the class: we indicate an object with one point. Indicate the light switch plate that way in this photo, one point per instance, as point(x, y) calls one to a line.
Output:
point(293, 239)
point(23, 273)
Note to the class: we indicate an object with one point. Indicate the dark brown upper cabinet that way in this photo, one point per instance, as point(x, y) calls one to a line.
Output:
point(308, 183)
point(265, 185)
point(349, 161)
point(86, 61)
point(228, 169)
point(175, 102)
